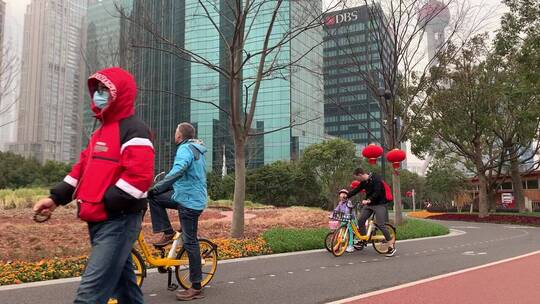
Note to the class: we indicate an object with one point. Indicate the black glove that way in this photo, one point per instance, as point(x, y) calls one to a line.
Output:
point(152, 193)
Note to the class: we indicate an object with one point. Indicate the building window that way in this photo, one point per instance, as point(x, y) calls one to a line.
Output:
point(506, 186)
point(532, 184)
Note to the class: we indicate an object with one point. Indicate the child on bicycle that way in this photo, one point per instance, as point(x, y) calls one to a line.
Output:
point(344, 206)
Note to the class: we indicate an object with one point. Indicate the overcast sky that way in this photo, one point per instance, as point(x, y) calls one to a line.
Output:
point(16, 8)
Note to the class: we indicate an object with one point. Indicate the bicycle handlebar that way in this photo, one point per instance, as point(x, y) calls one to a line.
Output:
point(158, 175)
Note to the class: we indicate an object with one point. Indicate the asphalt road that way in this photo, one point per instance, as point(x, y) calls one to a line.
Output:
point(319, 277)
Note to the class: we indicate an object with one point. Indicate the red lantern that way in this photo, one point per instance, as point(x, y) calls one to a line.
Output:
point(396, 156)
point(372, 152)
point(354, 184)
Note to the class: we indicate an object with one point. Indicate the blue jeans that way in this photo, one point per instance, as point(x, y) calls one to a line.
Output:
point(189, 220)
point(109, 269)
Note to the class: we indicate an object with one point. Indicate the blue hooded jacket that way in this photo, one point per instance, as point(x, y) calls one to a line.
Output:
point(187, 176)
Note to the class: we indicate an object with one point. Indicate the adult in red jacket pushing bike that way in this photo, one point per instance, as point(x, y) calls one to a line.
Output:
point(109, 183)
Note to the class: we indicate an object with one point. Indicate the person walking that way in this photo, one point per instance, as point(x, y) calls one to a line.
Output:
point(109, 183)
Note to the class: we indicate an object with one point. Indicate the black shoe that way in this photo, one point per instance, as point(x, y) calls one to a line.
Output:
point(391, 252)
point(165, 240)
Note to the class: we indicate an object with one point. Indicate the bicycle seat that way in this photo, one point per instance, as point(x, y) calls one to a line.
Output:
point(161, 246)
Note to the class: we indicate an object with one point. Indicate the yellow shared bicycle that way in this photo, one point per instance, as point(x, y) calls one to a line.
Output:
point(349, 235)
point(175, 257)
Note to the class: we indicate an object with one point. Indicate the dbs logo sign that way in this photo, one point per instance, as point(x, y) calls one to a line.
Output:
point(340, 18)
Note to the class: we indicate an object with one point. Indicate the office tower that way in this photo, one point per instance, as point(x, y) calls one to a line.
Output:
point(351, 55)
point(49, 118)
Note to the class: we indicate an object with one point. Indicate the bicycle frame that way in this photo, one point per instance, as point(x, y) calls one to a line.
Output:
point(170, 260)
point(353, 230)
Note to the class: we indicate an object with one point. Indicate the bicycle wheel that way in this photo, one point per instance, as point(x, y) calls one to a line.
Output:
point(138, 266)
point(340, 241)
point(208, 254)
point(140, 271)
point(328, 241)
point(379, 246)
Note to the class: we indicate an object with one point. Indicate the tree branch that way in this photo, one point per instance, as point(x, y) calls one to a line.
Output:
point(283, 128)
point(186, 97)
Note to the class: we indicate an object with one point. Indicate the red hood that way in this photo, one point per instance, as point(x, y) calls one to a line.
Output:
point(123, 91)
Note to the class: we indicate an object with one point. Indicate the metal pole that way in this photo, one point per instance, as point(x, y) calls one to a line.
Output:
point(413, 200)
point(383, 160)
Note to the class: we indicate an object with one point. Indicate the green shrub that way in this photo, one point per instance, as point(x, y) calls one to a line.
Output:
point(412, 229)
point(287, 240)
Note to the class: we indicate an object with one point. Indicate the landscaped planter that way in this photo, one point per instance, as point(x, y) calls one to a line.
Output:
point(494, 218)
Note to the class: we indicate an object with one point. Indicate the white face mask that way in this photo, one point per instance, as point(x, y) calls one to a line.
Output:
point(101, 99)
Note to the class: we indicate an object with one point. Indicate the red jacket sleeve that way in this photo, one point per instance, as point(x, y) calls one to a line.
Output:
point(137, 169)
point(62, 193)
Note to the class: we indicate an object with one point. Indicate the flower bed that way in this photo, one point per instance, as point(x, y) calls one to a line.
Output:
point(22, 272)
point(422, 214)
point(493, 218)
point(19, 272)
point(233, 248)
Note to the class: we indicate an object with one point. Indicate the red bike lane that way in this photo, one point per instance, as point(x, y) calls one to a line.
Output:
point(513, 281)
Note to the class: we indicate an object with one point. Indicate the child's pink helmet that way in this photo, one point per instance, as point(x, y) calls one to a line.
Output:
point(343, 191)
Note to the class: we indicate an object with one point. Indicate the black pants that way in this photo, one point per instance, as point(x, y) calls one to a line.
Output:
point(381, 217)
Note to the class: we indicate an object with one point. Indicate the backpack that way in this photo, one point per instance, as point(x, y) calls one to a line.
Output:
point(387, 192)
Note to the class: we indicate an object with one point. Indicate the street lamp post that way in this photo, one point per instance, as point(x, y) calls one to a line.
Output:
point(385, 96)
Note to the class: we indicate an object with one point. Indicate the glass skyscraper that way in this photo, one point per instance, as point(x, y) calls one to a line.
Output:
point(173, 88)
point(351, 54)
point(291, 97)
point(162, 78)
point(49, 118)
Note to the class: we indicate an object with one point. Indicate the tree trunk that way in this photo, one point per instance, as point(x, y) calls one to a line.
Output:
point(482, 196)
point(492, 199)
point(396, 189)
point(237, 229)
point(517, 184)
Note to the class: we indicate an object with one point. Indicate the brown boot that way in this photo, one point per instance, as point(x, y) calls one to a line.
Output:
point(165, 240)
point(190, 294)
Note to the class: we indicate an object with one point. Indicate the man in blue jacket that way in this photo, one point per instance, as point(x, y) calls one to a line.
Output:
point(184, 189)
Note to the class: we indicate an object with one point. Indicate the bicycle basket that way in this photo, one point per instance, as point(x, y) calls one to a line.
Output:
point(333, 225)
point(340, 216)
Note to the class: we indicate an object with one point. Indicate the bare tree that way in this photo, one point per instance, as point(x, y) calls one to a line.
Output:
point(9, 95)
point(395, 65)
point(247, 67)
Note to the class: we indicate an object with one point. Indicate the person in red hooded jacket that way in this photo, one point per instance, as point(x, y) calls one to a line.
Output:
point(109, 183)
